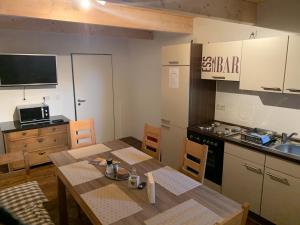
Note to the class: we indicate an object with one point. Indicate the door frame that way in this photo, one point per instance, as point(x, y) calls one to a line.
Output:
point(113, 89)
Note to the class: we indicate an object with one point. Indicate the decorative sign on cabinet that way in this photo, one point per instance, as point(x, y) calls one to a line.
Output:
point(222, 61)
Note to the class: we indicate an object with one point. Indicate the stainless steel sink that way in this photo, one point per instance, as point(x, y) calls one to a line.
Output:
point(289, 149)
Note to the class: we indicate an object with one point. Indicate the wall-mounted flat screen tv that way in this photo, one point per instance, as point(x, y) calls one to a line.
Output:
point(25, 70)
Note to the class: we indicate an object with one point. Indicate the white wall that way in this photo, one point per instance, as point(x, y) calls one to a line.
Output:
point(61, 97)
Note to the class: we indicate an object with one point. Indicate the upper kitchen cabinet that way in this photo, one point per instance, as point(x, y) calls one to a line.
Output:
point(176, 55)
point(292, 75)
point(263, 64)
point(222, 61)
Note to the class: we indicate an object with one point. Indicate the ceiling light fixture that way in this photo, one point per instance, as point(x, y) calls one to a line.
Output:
point(101, 2)
point(85, 4)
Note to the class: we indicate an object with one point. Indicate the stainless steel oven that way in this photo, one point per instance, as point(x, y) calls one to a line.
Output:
point(33, 113)
point(215, 156)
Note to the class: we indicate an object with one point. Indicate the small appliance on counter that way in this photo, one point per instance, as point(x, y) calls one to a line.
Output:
point(258, 136)
point(37, 113)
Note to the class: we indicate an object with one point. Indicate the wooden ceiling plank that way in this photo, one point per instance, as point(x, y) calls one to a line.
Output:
point(114, 15)
point(19, 23)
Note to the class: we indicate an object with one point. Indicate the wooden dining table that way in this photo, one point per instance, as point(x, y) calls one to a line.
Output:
point(214, 201)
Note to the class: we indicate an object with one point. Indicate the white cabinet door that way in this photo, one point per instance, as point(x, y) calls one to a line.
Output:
point(176, 54)
point(281, 198)
point(263, 64)
point(222, 61)
point(292, 75)
point(242, 181)
point(172, 145)
point(175, 82)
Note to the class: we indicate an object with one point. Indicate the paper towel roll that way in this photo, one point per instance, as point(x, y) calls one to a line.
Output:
point(151, 188)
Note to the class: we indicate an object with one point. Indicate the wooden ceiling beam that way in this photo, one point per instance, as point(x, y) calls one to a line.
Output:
point(114, 15)
point(20, 23)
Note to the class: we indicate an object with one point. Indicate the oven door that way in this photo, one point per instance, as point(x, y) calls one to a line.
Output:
point(214, 163)
point(28, 115)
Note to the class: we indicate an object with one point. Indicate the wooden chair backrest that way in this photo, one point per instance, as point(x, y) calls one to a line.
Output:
point(194, 160)
point(82, 133)
point(239, 218)
point(13, 157)
point(151, 141)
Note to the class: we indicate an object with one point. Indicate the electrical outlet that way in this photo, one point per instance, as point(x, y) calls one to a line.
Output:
point(220, 107)
point(46, 98)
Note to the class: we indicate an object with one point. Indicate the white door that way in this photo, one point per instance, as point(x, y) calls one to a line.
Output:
point(93, 90)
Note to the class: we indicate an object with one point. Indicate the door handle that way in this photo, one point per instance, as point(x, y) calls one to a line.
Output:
point(293, 90)
point(173, 62)
point(165, 126)
point(217, 77)
point(81, 100)
point(271, 88)
point(165, 121)
point(253, 169)
point(278, 179)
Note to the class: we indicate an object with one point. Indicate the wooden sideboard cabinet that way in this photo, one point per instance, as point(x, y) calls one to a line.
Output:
point(38, 143)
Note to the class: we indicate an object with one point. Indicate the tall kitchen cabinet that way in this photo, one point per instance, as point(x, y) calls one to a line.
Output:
point(186, 99)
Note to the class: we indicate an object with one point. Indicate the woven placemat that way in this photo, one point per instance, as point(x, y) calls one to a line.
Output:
point(187, 213)
point(174, 181)
point(80, 172)
point(88, 151)
point(110, 204)
point(131, 155)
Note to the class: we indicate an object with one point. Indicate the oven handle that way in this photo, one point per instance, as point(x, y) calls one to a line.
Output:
point(253, 169)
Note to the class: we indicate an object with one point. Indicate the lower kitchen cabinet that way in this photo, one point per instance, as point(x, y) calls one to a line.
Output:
point(242, 181)
point(172, 138)
point(281, 194)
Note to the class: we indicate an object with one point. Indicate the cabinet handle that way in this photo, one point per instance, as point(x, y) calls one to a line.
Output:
point(165, 121)
point(25, 145)
point(24, 133)
point(278, 179)
point(40, 140)
point(253, 169)
point(271, 88)
point(293, 90)
point(42, 153)
point(173, 62)
point(165, 126)
point(217, 77)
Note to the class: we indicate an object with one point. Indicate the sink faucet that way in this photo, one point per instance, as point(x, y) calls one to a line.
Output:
point(285, 137)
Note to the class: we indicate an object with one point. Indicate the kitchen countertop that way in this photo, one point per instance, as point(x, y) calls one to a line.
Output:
point(12, 126)
point(234, 139)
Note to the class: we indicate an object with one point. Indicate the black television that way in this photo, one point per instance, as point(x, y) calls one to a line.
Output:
point(26, 70)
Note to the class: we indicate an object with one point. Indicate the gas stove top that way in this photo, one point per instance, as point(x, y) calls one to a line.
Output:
point(220, 129)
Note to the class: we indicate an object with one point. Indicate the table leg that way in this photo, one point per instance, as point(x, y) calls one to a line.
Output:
point(62, 202)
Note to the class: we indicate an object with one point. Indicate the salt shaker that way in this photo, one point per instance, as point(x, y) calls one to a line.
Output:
point(134, 179)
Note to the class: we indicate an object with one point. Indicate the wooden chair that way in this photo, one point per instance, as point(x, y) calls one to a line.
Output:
point(239, 218)
point(194, 160)
point(82, 133)
point(13, 176)
point(151, 141)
